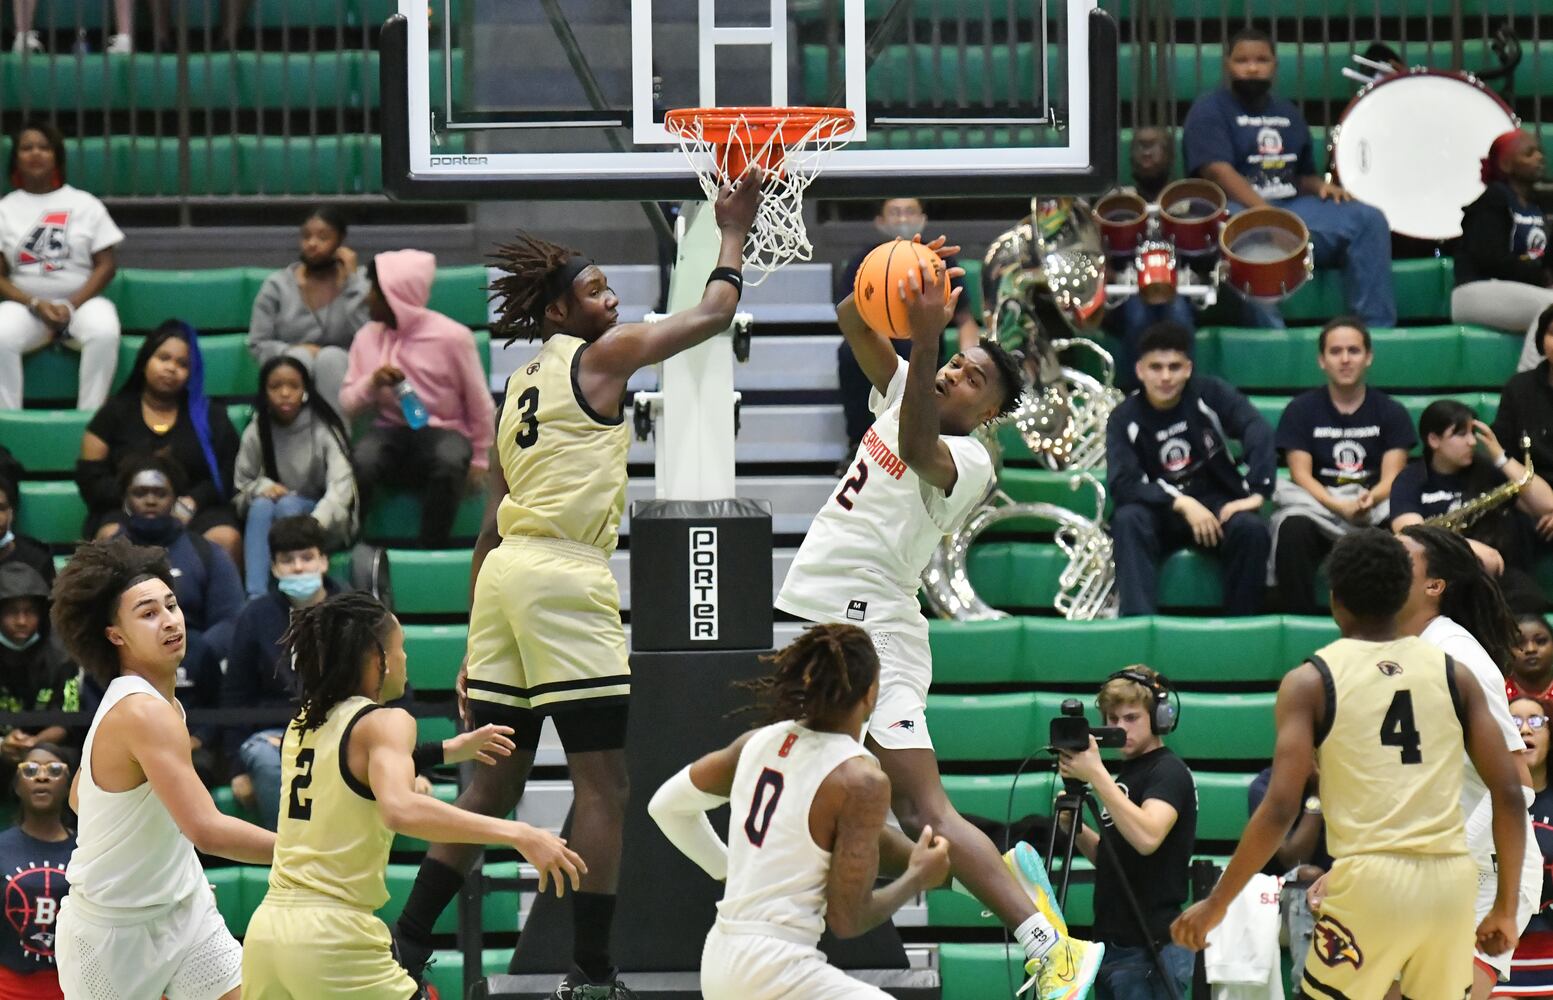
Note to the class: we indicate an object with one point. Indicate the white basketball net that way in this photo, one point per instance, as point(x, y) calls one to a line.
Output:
point(778, 236)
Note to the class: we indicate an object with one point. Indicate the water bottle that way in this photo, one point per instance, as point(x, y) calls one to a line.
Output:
point(410, 403)
point(82, 46)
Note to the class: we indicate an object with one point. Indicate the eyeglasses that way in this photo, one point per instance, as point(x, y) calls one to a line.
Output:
point(54, 769)
point(1535, 722)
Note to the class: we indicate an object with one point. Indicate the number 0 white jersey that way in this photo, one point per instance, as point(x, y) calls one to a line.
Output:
point(777, 874)
point(863, 557)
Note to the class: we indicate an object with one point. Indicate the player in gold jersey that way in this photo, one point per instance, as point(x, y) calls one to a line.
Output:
point(347, 786)
point(545, 636)
point(1385, 716)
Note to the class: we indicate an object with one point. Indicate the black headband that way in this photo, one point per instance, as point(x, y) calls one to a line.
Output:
point(559, 281)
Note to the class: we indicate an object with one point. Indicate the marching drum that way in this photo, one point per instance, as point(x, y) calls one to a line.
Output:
point(1123, 219)
point(1410, 145)
point(1155, 265)
point(1189, 215)
point(1267, 253)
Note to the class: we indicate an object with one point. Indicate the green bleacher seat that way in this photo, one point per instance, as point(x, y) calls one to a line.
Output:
point(435, 728)
point(1412, 358)
point(989, 652)
point(1225, 726)
point(1043, 485)
point(213, 300)
point(988, 726)
point(1009, 575)
point(987, 794)
point(1083, 654)
point(52, 511)
point(430, 581)
point(298, 164)
point(947, 908)
point(1189, 578)
point(1221, 805)
point(51, 374)
point(396, 516)
point(44, 441)
point(978, 971)
point(460, 292)
point(435, 653)
point(1214, 650)
point(228, 885)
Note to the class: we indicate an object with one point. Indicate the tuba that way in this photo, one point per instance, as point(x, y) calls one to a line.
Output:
point(1471, 512)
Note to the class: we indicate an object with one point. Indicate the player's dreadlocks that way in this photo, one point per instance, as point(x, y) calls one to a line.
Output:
point(819, 676)
point(531, 266)
point(327, 644)
point(86, 596)
point(1472, 598)
point(1009, 371)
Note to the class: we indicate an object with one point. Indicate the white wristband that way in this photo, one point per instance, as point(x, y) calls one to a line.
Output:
point(1502, 460)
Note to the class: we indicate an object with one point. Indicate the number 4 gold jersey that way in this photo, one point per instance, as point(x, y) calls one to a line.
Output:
point(1390, 749)
point(330, 839)
point(565, 464)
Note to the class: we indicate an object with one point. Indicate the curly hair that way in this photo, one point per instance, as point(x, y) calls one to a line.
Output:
point(528, 262)
point(1009, 371)
point(326, 645)
point(818, 676)
point(1472, 598)
point(85, 599)
point(1370, 574)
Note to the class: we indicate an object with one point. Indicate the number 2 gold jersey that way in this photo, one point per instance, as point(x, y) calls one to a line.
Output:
point(1390, 755)
point(565, 465)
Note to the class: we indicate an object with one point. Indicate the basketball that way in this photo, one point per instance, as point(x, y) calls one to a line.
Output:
point(877, 286)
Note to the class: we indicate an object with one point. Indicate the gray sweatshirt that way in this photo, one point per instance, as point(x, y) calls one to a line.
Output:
point(311, 463)
point(281, 318)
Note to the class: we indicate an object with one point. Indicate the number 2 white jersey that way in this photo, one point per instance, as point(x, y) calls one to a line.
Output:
point(777, 874)
point(863, 557)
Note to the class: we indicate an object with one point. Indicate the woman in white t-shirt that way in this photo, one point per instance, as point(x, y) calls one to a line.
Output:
point(56, 257)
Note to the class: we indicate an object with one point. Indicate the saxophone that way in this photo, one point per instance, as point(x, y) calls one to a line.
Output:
point(1469, 513)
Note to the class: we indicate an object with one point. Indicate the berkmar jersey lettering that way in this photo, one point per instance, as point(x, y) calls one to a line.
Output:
point(1347, 459)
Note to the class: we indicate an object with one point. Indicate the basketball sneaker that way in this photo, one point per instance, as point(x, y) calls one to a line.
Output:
point(1024, 861)
point(414, 959)
point(576, 987)
point(1067, 972)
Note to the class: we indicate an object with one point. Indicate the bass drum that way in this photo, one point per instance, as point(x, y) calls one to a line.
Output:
point(1410, 144)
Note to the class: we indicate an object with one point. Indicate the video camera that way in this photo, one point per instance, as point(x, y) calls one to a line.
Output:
point(1071, 730)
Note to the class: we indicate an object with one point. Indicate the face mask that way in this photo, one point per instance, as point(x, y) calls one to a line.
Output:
point(7, 538)
point(300, 587)
point(17, 647)
point(904, 230)
point(1251, 91)
point(159, 530)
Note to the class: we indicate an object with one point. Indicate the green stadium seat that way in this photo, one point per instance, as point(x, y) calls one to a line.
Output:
point(987, 652)
point(1270, 407)
point(297, 164)
point(1084, 654)
point(1215, 650)
point(948, 908)
point(44, 441)
point(1303, 635)
point(987, 795)
point(460, 292)
point(987, 726)
point(1488, 357)
point(1015, 575)
point(52, 512)
point(1043, 486)
point(240, 414)
point(435, 728)
point(1225, 726)
point(499, 915)
point(1189, 578)
point(396, 516)
point(430, 581)
point(435, 653)
point(977, 971)
point(51, 374)
point(1221, 805)
point(228, 885)
point(211, 299)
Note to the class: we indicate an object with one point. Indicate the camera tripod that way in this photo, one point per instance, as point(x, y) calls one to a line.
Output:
point(1075, 795)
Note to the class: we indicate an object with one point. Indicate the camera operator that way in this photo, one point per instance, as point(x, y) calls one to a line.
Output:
point(1149, 813)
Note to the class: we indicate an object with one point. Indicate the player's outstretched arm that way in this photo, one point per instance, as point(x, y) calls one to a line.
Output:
point(159, 742)
point(1300, 704)
point(680, 805)
point(853, 905)
point(617, 355)
point(386, 740)
point(928, 312)
point(1500, 930)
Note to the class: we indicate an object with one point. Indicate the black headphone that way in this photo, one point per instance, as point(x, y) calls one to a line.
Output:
point(1165, 715)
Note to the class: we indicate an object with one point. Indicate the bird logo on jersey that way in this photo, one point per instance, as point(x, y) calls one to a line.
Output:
point(1335, 944)
point(1389, 668)
point(45, 246)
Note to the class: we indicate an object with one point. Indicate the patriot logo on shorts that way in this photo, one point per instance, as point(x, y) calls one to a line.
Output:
point(1335, 944)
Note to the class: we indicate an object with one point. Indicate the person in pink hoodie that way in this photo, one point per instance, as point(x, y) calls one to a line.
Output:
point(407, 348)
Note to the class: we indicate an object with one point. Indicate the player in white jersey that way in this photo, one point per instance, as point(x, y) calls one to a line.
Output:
point(140, 921)
point(918, 474)
point(1457, 607)
point(807, 831)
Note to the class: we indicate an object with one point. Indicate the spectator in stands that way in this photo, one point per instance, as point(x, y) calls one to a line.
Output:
point(1153, 157)
point(1150, 814)
point(36, 674)
point(1530, 974)
point(1526, 402)
point(57, 247)
point(411, 362)
point(1303, 858)
point(1344, 444)
point(16, 547)
point(33, 857)
point(257, 676)
point(162, 408)
point(1175, 483)
point(1452, 472)
point(311, 309)
point(898, 218)
point(27, 38)
point(294, 459)
point(1257, 147)
point(1503, 275)
point(1531, 669)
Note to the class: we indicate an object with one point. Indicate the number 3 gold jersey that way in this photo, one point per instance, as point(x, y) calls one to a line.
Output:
point(565, 464)
point(1390, 749)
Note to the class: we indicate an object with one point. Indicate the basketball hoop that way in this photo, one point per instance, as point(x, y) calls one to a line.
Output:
point(788, 144)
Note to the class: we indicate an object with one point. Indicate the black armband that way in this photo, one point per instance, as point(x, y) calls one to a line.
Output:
point(428, 755)
point(730, 275)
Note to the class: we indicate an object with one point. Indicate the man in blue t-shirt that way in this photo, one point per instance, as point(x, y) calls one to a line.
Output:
point(1344, 444)
point(1257, 147)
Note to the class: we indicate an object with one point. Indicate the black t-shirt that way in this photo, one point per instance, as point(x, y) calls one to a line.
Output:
point(1160, 880)
point(1542, 826)
point(120, 424)
point(1344, 447)
point(34, 883)
point(1421, 490)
